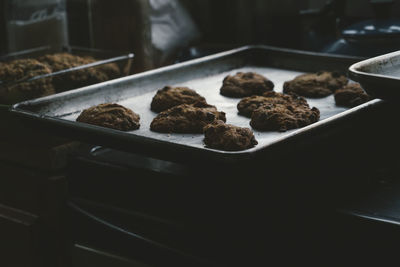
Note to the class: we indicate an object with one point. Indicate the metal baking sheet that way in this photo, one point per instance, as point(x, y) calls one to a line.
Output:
point(205, 75)
point(379, 76)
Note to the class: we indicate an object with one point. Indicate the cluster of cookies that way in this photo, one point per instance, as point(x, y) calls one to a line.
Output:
point(12, 91)
point(180, 110)
point(324, 83)
point(183, 110)
point(78, 78)
point(273, 111)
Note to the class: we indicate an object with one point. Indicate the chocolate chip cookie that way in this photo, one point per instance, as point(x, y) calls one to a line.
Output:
point(112, 116)
point(351, 95)
point(247, 105)
point(222, 136)
point(12, 91)
point(169, 97)
point(186, 118)
point(245, 84)
point(282, 117)
point(315, 85)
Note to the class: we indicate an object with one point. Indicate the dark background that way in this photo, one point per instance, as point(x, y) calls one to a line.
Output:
point(123, 25)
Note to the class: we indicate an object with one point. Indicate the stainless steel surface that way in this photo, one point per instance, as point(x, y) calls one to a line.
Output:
point(379, 76)
point(205, 75)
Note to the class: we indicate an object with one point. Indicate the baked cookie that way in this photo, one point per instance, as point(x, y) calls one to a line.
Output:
point(220, 135)
point(315, 85)
point(112, 116)
point(282, 117)
point(351, 95)
point(112, 70)
point(22, 69)
point(78, 78)
point(186, 118)
point(247, 105)
point(169, 97)
point(245, 84)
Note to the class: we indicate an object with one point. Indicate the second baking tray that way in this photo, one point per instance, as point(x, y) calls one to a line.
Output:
point(122, 60)
point(379, 76)
point(204, 75)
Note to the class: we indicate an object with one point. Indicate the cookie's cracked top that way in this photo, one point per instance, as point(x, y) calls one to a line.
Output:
point(247, 105)
point(169, 97)
point(315, 85)
point(245, 84)
point(351, 95)
point(186, 118)
point(222, 136)
point(282, 117)
point(111, 115)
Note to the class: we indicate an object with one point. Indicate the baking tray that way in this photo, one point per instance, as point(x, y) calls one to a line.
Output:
point(205, 75)
point(123, 60)
point(379, 76)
